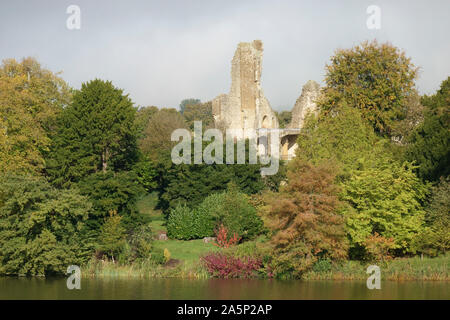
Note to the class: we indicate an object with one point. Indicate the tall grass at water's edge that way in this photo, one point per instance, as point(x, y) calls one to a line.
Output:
point(404, 269)
point(400, 269)
point(104, 269)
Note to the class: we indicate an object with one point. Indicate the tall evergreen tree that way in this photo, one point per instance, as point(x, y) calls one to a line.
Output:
point(97, 132)
point(429, 145)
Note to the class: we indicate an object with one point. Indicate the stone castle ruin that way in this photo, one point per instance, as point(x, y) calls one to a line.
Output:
point(246, 107)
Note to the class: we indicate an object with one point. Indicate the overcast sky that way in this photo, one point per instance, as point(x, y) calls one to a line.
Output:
point(161, 52)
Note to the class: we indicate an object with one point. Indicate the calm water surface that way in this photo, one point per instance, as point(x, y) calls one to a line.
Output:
point(26, 288)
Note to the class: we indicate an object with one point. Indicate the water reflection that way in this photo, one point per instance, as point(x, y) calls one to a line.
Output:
point(180, 289)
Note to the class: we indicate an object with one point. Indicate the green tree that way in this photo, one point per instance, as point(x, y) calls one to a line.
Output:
point(435, 237)
point(199, 112)
point(375, 78)
point(96, 133)
point(31, 97)
point(343, 138)
point(41, 227)
point(233, 210)
point(284, 118)
point(156, 143)
point(112, 192)
point(143, 116)
point(186, 102)
point(385, 195)
point(386, 199)
point(112, 235)
point(429, 144)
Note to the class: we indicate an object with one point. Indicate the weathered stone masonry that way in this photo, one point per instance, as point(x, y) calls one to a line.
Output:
point(246, 107)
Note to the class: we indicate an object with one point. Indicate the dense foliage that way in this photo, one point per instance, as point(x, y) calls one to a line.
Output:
point(30, 99)
point(384, 194)
point(230, 209)
point(305, 220)
point(375, 78)
point(96, 133)
point(186, 224)
point(111, 191)
point(41, 228)
point(429, 144)
point(199, 112)
point(369, 181)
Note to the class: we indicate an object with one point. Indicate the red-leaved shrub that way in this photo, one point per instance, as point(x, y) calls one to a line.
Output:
point(222, 239)
point(227, 266)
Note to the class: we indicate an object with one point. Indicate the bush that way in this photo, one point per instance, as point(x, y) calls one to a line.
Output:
point(157, 256)
point(322, 265)
point(186, 224)
point(138, 246)
point(227, 266)
point(180, 224)
point(233, 210)
point(112, 235)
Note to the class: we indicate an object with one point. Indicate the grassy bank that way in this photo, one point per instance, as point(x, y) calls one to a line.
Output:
point(415, 268)
point(187, 254)
point(145, 270)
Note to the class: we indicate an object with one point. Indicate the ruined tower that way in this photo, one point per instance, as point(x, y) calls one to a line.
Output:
point(245, 107)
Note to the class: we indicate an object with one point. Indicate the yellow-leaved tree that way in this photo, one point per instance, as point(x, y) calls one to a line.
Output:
point(30, 99)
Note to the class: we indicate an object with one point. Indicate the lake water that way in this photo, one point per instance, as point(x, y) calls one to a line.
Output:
point(180, 289)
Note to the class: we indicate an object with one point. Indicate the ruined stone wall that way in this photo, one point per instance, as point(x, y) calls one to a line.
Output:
point(245, 107)
point(304, 104)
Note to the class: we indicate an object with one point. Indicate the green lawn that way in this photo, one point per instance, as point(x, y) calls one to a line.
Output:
point(186, 251)
point(146, 206)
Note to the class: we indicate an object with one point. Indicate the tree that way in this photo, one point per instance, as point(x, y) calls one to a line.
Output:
point(386, 199)
point(429, 144)
point(156, 143)
point(434, 238)
point(343, 137)
point(110, 191)
point(186, 102)
point(414, 115)
point(41, 228)
point(31, 97)
point(305, 220)
point(232, 210)
point(384, 194)
point(112, 235)
point(96, 133)
point(143, 116)
point(375, 78)
point(284, 118)
point(199, 112)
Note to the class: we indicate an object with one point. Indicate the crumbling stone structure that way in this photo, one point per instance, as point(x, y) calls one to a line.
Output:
point(246, 107)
